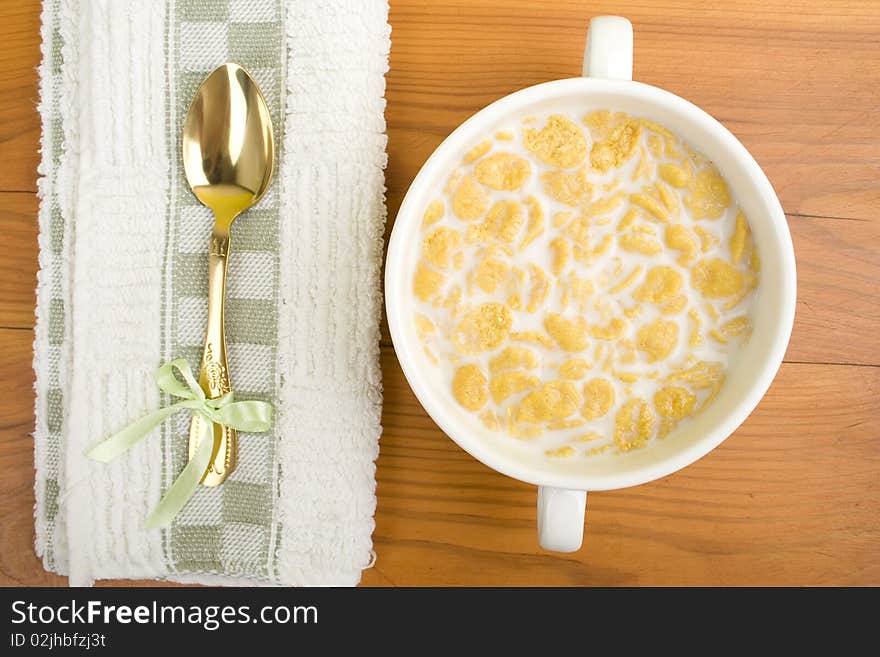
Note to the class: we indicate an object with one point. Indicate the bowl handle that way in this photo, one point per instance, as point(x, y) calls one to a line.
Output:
point(609, 49)
point(561, 518)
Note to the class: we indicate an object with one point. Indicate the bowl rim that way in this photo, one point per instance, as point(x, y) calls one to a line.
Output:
point(763, 377)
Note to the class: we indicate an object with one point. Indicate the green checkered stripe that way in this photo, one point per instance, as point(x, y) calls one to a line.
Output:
point(50, 328)
point(232, 528)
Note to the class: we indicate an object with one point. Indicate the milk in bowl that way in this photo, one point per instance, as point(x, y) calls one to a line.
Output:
point(585, 280)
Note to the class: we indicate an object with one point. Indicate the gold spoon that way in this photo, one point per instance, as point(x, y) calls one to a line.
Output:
point(228, 156)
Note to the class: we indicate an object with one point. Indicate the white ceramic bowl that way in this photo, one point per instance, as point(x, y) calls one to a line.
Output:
point(563, 484)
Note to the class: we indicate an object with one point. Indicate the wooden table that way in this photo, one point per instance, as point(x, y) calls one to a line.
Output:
point(792, 498)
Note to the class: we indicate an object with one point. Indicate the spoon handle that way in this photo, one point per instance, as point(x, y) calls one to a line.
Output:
point(214, 374)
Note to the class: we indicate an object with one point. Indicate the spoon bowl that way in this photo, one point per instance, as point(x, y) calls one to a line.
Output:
point(228, 158)
point(228, 149)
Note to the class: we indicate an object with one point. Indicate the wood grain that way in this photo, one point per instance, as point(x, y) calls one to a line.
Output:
point(18, 267)
point(19, 122)
point(837, 319)
point(793, 497)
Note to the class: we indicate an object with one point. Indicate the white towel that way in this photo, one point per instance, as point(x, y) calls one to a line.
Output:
point(122, 289)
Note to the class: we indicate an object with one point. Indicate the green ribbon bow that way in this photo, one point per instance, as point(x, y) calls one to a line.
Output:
point(251, 416)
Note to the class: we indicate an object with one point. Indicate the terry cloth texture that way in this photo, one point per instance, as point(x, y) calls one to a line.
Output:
point(122, 288)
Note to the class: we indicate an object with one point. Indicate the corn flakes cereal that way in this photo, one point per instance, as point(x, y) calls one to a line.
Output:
point(453, 298)
point(674, 402)
point(569, 334)
point(626, 282)
point(601, 249)
point(561, 218)
point(740, 238)
point(574, 368)
point(540, 288)
point(598, 398)
point(424, 326)
point(511, 358)
point(628, 219)
point(671, 148)
point(626, 377)
point(700, 376)
point(709, 196)
point(561, 452)
point(572, 189)
point(551, 402)
point(657, 339)
point(715, 279)
point(478, 151)
point(626, 351)
point(503, 171)
point(679, 238)
point(434, 212)
point(695, 337)
point(605, 204)
point(638, 242)
point(534, 337)
point(566, 424)
point(506, 219)
point(675, 175)
point(732, 328)
point(561, 249)
point(708, 240)
point(659, 129)
point(651, 205)
point(602, 122)
point(612, 331)
point(632, 313)
point(579, 231)
point(633, 425)
point(535, 227)
point(560, 143)
point(577, 291)
point(438, 246)
point(509, 383)
point(662, 283)
point(617, 148)
point(469, 201)
point(503, 221)
point(490, 273)
point(674, 305)
point(469, 387)
point(427, 282)
point(667, 198)
point(644, 168)
point(483, 329)
point(490, 420)
point(525, 432)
